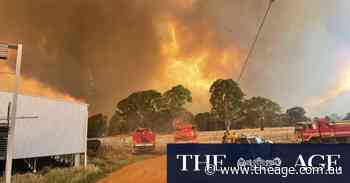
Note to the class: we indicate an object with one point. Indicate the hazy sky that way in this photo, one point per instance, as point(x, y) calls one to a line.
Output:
point(101, 51)
point(304, 50)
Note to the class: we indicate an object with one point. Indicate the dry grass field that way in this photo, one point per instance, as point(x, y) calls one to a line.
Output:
point(113, 161)
point(157, 172)
point(277, 135)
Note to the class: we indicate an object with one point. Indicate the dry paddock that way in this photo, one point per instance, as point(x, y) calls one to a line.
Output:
point(157, 172)
point(277, 135)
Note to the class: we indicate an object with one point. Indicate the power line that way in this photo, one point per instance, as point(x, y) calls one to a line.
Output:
point(252, 47)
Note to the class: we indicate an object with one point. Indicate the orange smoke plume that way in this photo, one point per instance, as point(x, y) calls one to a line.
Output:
point(30, 86)
point(191, 57)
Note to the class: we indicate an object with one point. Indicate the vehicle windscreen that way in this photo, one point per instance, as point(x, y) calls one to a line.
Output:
point(259, 140)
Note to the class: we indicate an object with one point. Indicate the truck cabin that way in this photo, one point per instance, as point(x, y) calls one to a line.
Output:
point(324, 123)
point(317, 123)
point(301, 126)
point(143, 135)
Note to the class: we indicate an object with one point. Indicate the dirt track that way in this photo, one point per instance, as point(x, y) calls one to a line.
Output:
point(154, 170)
point(147, 171)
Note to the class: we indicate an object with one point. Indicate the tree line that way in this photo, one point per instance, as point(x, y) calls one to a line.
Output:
point(229, 109)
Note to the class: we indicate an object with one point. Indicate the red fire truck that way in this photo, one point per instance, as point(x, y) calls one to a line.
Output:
point(144, 140)
point(185, 133)
point(323, 130)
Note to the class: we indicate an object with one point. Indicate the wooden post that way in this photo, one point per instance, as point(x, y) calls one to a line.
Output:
point(77, 160)
point(11, 134)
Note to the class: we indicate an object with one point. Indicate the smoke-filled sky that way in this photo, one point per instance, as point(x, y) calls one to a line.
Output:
point(101, 51)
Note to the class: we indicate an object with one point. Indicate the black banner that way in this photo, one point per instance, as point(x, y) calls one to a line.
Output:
point(219, 163)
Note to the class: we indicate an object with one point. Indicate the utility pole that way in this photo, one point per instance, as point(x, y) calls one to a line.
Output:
point(252, 47)
point(4, 47)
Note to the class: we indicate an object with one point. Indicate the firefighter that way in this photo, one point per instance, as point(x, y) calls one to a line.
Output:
point(229, 137)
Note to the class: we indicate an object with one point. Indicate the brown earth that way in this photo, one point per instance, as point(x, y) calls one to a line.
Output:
point(147, 171)
point(154, 170)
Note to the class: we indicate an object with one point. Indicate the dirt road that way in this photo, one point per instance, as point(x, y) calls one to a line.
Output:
point(147, 171)
point(154, 170)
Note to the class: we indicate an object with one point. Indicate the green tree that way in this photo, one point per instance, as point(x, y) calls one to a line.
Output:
point(296, 114)
point(140, 104)
point(151, 109)
point(171, 106)
point(284, 120)
point(97, 126)
point(117, 124)
point(261, 107)
point(176, 97)
point(226, 100)
point(161, 121)
point(202, 121)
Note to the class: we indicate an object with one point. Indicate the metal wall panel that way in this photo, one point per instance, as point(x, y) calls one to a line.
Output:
point(60, 126)
point(3, 51)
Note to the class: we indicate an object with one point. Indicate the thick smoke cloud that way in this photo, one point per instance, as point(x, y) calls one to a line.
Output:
point(123, 41)
point(49, 31)
point(91, 50)
point(101, 51)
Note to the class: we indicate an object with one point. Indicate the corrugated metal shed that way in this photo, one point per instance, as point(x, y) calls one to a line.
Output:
point(47, 127)
point(3, 51)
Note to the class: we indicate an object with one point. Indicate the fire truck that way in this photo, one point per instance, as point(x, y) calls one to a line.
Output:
point(144, 140)
point(185, 133)
point(323, 130)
